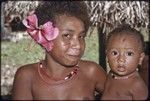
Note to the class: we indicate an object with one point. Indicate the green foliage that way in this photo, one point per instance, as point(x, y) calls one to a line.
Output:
point(91, 50)
point(19, 54)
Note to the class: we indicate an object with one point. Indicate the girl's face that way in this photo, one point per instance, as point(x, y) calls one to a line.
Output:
point(70, 44)
point(124, 54)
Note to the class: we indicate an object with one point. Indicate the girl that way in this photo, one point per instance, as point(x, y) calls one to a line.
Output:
point(60, 28)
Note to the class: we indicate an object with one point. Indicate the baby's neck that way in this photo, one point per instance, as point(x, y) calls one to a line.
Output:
point(115, 76)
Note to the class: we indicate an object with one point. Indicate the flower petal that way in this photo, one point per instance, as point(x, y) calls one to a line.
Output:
point(50, 32)
point(48, 45)
point(31, 21)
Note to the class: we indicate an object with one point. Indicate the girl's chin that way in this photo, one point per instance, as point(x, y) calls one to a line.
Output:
point(71, 63)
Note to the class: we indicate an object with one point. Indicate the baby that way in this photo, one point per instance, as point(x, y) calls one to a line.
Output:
point(125, 54)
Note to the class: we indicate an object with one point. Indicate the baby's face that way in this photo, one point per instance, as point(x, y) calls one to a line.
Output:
point(124, 54)
point(70, 44)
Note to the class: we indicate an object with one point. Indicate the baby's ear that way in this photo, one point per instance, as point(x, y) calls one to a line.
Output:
point(142, 55)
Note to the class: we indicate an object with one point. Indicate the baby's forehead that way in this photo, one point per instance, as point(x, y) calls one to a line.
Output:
point(124, 35)
point(128, 38)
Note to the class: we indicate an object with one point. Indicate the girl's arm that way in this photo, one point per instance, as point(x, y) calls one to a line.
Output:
point(22, 84)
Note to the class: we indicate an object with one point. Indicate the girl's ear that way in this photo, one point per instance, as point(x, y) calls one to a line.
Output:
point(106, 51)
point(106, 55)
point(141, 58)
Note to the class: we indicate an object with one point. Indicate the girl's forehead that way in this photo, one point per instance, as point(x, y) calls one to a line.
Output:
point(65, 22)
point(61, 18)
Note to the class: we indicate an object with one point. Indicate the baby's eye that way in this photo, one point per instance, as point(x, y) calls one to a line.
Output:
point(129, 53)
point(114, 53)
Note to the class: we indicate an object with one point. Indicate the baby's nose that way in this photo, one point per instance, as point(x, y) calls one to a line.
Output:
point(121, 58)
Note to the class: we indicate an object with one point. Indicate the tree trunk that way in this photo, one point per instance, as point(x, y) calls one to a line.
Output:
point(101, 40)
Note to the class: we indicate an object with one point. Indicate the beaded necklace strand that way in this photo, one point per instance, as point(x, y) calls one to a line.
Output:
point(43, 74)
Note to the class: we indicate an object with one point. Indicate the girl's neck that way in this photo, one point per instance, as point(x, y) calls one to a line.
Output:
point(54, 68)
point(115, 76)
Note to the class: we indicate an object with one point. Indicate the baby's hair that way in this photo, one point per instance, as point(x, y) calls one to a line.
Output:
point(49, 10)
point(127, 29)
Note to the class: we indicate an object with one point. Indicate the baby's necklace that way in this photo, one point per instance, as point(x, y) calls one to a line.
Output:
point(123, 77)
point(47, 79)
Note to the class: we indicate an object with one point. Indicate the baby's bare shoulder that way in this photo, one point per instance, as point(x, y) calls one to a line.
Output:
point(139, 86)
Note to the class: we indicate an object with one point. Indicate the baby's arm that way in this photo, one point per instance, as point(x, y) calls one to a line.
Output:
point(22, 84)
point(139, 91)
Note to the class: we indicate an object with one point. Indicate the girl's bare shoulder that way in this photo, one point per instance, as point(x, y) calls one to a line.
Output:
point(85, 64)
point(91, 67)
point(26, 70)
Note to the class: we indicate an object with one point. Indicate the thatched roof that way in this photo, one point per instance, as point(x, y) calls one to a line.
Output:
point(18, 7)
point(109, 13)
point(112, 13)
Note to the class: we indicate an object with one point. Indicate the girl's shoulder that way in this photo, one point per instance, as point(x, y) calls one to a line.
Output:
point(86, 64)
point(27, 70)
point(95, 73)
point(28, 67)
point(91, 67)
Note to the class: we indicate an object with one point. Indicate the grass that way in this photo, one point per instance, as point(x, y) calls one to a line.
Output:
point(16, 54)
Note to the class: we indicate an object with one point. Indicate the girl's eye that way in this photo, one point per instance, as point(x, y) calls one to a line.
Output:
point(129, 53)
point(82, 36)
point(67, 36)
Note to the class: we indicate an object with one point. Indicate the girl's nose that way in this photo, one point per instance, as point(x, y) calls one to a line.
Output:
point(76, 43)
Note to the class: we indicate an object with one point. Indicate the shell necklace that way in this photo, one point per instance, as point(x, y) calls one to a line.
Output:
point(122, 77)
point(51, 80)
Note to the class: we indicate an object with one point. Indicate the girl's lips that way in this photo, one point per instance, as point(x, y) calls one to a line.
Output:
point(73, 57)
point(74, 53)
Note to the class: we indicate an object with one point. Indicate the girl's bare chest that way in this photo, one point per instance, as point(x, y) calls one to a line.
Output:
point(78, 88)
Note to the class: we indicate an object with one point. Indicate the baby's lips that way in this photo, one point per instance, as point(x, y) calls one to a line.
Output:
point(121, 68)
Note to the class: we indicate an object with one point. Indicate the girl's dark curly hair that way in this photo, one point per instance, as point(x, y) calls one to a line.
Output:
point(48, 10)
point(127, 29)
